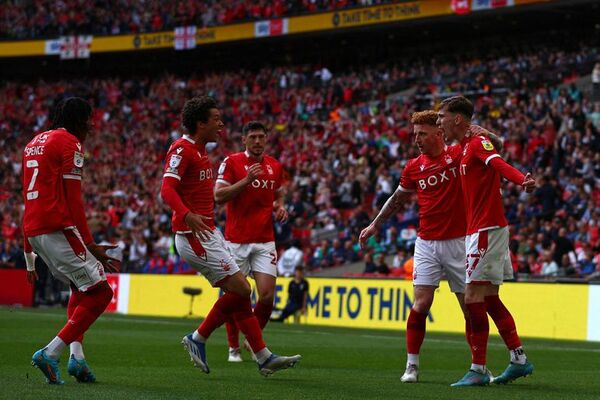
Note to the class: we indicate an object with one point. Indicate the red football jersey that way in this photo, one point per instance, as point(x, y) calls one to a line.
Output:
point(188, 163)
point(481, 185)
point(48, 159)
point(250, 214)
point(436, 180)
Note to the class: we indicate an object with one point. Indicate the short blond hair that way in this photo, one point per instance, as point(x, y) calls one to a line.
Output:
point(427, 117)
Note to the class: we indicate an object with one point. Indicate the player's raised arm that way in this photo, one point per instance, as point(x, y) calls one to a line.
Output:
point(224, 190)
point(391, 206)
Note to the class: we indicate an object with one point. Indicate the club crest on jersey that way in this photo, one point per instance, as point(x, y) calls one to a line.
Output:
point(269, 170)
point(487, 145)
point(78, 159)
point(174, 161)
point(448, 159)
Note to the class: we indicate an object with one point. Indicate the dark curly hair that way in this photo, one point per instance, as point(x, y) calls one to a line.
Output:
point(196, 109)
point(72, 114)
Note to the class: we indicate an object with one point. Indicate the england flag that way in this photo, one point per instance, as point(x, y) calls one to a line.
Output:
point(185, 37)
point(72, 47)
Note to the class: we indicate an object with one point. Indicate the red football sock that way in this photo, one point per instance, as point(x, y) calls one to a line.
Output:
point(219, 313)
point(468, 330)
point(504, 321)
point(480, 330)
point(248, 324)
point(91, 305)
point(233, 334)
point(74, 301)
point(415, 331)
point(262, 312)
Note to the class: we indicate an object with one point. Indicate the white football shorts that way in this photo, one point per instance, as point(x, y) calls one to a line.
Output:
point(212, 258)
point(488, 257)
point(68, 259)
point(255, 257)
point(435, 258)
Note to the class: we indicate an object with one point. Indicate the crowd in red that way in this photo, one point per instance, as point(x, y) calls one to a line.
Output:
point(47, 18)
point(343, 138)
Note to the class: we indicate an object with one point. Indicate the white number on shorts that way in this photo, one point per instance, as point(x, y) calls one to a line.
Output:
point(32, 194)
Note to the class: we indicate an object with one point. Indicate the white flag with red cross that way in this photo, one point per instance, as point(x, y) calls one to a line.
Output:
point(75, 47)
point(185, 37)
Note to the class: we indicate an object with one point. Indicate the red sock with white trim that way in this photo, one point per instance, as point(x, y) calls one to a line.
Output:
point(220, 312)
point(506, 327)
point(480, 330)
point(91, 305)
point(415, 333)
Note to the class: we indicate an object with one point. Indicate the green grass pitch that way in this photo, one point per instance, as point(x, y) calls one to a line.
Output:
point(141, 358)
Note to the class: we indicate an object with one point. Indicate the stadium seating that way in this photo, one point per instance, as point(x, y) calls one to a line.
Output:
point(343, 137)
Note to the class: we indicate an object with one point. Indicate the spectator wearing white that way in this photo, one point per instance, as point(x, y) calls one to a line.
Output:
point(290, 259)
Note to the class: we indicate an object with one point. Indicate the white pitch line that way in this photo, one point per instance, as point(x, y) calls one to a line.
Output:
point(308, 331)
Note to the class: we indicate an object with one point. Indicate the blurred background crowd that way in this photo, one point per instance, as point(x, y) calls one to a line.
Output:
point(24, 19)
point(343, 136)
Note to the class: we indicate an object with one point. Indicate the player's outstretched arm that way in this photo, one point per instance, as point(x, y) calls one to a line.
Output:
point(391, 206)
point(512, 174)
point(225, 192)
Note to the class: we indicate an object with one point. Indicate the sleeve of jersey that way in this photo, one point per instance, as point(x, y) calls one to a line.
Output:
point(406, 184)
point(225, 173)
point(175, 166)
point(507, 171)
point(72, 160)
point(484, 150)
point(72, 170)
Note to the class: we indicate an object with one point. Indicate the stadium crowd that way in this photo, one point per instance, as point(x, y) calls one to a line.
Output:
point(344, 138)
point(47, 18)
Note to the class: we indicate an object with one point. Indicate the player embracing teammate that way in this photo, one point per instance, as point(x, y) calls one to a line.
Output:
point(487, 255)
point(450, 206)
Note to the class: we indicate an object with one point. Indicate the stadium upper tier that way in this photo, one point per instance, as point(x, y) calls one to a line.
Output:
point(47, 18)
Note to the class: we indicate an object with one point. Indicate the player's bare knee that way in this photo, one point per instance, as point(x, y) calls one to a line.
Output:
point(267, 296)
point(423, 305)
point(242, 287)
